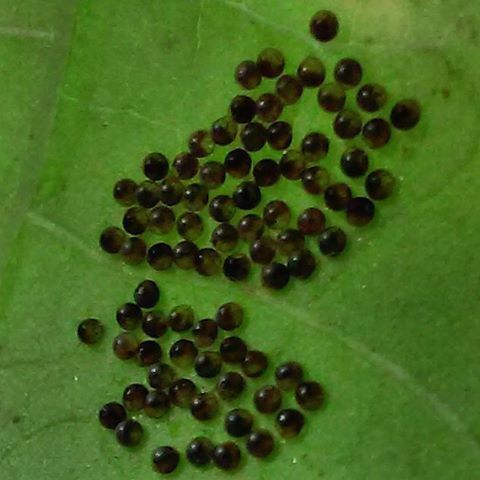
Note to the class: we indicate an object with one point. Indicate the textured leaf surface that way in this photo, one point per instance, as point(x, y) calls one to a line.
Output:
point(390, 328)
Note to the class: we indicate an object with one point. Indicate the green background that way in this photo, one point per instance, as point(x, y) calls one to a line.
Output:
point(391, 328)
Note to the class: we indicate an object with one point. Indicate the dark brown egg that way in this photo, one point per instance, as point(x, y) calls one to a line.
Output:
point(195, 197)
point(224, 237)
point(148, 194)
point(182, 392)
point(160, 376)
point(135, 220)
point(205, 332)
point(230, 385)
point(324, 26)
point(155, 166)
point(348, 72)
point(360, 211)
point(189, 225)
point(124, 192)
point(157, 404)
point(154, 324)
point(311, 221)
point(212, 175)
point(267, 399)
point(290, 241)
point(204, 406)
point(292, 164)
point(201, 143)
point(311, 72)
point(238, 163)
point(266, 172)
point(111, 414)
point(229, 316)
point(243, 109)
point(208, 364)
point(276, 214)
point(148, 353)
point(290, 422)
point(247, 75)
point(371, 97)
point(315, 146)
point(111, 240)
point(199, 451)
point(337, 196)
point(226, 456)
point(181, 318)
point(171, 191)
point(275, 276)
point(247, 196)
point(288, 375)
point(376, 132)
point(224, 130)
point(289, 89)
point(184, 254)
point(250, 227)
point(186, 165)
point(183, 353)
point(260, 443)
point(129, 433)
point(146, 294)
point(332, 241)
point(263, 250)
point(302, 264)
point(354, 162)
point(160, 256)
point(270, 62)
point(331, 97)
point(379, 184)
point(129, 316)
point(253, 136)
point(90, 331)
point(125, 346)
point(222, 208)
point(208, 262)
point(233, 350)
point(165, 459)
point(405, 114)
point(161, 220)
point(238, 422)
point(315, 180)
point(254, 364)
point(309, 395)
point(236, 267)
point(269, 107)
point(279, 135)
point(134, 397)
point(133, 250)
point(347, 124)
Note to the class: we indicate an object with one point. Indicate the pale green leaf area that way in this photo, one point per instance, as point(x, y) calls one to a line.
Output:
point(390, 328)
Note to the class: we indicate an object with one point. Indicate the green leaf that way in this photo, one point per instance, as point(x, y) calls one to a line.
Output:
point(389, 328)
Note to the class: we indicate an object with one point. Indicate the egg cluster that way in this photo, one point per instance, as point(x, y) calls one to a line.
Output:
point(175, 369)
point(180, 197)
point(250, 228)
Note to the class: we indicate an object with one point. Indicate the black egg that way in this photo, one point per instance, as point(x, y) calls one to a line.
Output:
point(160, 256)
point(243, 109)
point(155, 166)
point(275, 276)
point(332, 241)
point(247, 196)
point(324, 26)
point(146, 294)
